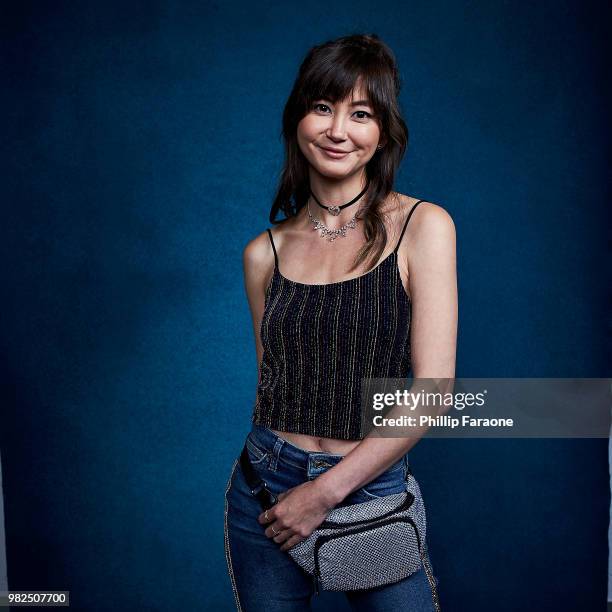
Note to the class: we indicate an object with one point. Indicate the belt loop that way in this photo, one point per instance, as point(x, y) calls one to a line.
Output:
point(275, 453)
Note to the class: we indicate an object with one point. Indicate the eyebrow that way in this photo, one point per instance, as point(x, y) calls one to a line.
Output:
point(356, 103)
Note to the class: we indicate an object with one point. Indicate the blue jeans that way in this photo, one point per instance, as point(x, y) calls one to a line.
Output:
point(266, 579)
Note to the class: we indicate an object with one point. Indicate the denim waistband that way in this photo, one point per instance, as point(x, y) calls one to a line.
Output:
point(313, 462)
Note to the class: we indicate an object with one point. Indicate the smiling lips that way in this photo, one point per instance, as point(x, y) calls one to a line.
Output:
point(334, 153)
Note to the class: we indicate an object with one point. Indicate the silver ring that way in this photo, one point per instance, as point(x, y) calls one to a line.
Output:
point(274, 530)
point(266, 515)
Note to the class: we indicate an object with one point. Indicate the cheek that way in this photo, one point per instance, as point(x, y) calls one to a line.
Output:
point(308, 129)
point(303, 141)
point(366, 138)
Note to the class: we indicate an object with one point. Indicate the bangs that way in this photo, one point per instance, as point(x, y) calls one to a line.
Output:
point(339, 78)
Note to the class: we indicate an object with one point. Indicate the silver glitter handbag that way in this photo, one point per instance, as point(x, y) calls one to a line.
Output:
point(368, 544)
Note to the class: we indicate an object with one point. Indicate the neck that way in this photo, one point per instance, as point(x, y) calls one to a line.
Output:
point(336, 192)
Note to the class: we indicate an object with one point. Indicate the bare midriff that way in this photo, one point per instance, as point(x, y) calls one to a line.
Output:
point(316, 444)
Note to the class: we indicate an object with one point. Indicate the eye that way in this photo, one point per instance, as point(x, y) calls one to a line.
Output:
point(360, 112)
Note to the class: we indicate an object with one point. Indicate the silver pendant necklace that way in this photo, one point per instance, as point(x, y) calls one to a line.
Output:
point(325, 231)
point(335, 211)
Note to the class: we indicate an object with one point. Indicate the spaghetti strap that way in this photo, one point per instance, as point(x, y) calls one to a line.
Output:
point(405, 224)
point(273, 247)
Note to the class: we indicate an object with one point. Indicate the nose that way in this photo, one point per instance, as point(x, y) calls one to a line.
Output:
point(337, 130)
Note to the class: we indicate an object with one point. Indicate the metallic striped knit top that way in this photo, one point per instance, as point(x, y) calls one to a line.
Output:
point(319, 341)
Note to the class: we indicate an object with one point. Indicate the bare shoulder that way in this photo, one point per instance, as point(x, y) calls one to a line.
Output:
point(429, 220)
point(257, 251)
point(258, 259)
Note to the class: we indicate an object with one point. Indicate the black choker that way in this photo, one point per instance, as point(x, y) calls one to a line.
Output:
point(335, 210)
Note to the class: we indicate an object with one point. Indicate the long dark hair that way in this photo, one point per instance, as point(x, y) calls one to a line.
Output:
point(331, 71)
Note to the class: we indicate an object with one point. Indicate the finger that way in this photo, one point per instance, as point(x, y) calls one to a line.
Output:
point(283, 536)
point(267, 516)
point(291, 542)
point(275, 530)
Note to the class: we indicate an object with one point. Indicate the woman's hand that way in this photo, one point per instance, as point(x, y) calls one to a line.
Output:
point(298, 512)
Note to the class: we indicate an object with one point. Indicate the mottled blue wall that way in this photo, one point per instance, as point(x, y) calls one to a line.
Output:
point(140, 153)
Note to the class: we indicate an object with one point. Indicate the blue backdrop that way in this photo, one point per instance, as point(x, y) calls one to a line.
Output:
point(141, 153)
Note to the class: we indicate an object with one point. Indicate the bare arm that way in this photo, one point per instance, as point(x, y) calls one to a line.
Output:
point(431, 253)
point(258, 264)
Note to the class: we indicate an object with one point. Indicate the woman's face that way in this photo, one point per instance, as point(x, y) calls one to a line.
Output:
point(349, 126)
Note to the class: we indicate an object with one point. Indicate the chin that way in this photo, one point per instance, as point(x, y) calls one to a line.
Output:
point(332, 172)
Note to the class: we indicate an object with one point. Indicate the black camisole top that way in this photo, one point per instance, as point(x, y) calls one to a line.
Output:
point(319, 341)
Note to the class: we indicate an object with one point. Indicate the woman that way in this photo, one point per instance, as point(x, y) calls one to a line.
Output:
point(366, 295)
